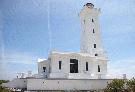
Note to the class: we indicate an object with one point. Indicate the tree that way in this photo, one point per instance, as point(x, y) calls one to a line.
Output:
point(3, 81)
point(116, 85)
point(131, 85)
point(4, 89)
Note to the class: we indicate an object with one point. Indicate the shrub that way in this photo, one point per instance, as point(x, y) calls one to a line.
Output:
point(131, 85)
point(4, 89)
point(117, 85)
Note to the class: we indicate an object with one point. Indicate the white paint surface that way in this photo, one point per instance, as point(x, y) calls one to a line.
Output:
point(64, 84)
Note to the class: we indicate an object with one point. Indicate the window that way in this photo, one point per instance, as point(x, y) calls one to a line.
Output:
point(96, 54)
point(60, 65)
point(93, 31)
point(92, 20)
point(73, 66)
point(86, 66)
point(44, 69)
point(84, 21)
point(94, 45)
point(98, 68)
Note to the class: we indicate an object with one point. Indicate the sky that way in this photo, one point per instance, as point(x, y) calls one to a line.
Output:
point(26, 30)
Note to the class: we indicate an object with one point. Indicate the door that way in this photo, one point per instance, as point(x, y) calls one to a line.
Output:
point(73, 66)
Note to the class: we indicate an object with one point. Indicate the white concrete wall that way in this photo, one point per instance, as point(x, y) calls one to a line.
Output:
point(93, 63)
point(16, 83)
point(44, 63)
point(63, 84)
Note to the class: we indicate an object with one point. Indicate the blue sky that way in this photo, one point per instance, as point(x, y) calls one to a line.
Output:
point(24, 33)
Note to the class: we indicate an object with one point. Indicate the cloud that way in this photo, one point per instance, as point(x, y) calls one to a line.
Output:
point(12, 63)
point(1, 36)
point(19, 57)
point(124, 66)
point(115, 7)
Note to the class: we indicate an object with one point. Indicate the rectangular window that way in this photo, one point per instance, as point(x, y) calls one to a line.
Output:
point(94, 45)
point(60, 65)
point(84, 21)
point(98, 68)
point(73, 66)
point(96, 54)
point(93, 31)
point(44, 69)
point(92, 20)
point(86, 66)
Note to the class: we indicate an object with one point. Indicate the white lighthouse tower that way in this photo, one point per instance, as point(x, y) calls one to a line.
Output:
point(90, 36)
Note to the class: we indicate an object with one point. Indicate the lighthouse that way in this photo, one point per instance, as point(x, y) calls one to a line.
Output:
point(90, 35)
point(90, 42)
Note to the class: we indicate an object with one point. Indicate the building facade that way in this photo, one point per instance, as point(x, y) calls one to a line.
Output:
point(89, 63)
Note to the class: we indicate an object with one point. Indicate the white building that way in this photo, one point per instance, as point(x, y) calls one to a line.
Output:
point(85, 70)
point(90, 63)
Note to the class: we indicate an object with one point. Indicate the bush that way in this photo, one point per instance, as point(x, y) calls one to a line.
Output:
point(3, 81)
point(117, 85)
point(131, 85)
point(4, 89)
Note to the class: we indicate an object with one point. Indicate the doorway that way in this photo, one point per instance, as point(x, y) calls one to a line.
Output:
point(73, 66)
